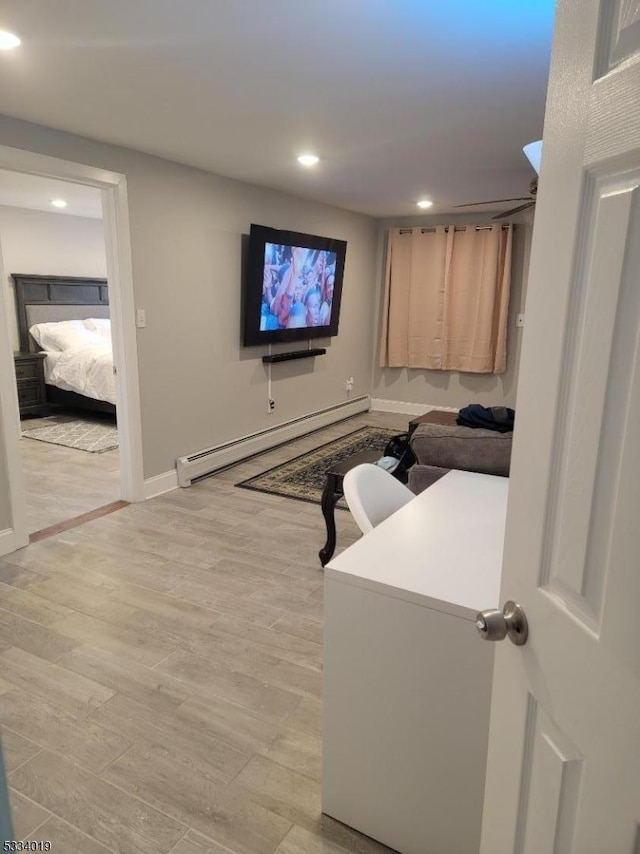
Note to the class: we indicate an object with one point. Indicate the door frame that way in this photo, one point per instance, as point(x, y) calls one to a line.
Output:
point(117, 237)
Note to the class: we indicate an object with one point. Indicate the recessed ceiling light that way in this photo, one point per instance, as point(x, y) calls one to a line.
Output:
point(58, 203)
point(308, 159)
point(8, 41)
point(424, 203)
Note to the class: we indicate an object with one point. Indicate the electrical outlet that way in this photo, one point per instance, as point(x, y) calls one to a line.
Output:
point(520, 320)
point(271, 405)
point(349, 385)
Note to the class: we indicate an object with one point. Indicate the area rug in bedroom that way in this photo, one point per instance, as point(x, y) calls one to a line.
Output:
point(95, 436)
point(303, 477)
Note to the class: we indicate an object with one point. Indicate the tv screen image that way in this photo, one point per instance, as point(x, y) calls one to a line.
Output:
point(298, 285)
point(293, 287)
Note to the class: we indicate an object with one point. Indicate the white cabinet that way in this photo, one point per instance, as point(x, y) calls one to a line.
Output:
point(407, 679)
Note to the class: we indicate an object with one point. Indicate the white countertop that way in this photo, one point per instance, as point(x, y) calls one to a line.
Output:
point(442, 550)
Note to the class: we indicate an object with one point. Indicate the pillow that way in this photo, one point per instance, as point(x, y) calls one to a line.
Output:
point(100, 325)
point(97, 323)
point(44, 334)
point(65, 335)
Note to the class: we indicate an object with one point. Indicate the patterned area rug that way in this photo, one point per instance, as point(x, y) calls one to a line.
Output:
point(303, 477)
point(94, 436)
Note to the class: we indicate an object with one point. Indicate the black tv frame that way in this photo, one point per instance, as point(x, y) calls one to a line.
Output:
point(260, 235)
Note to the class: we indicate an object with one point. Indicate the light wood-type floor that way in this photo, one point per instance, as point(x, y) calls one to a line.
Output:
point(61, 483)
point(160, 675)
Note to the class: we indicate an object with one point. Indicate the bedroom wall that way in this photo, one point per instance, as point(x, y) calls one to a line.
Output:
point(198, 385)
point(450, 388)
point(6, 521)
point(42, 243)
point(5, 507)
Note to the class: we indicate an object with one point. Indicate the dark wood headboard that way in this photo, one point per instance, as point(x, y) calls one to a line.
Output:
point(76, 294)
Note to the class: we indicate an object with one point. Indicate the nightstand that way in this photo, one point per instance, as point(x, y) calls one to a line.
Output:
point(30, 379)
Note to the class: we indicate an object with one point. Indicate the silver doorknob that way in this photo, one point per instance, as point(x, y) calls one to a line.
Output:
point(511, 622)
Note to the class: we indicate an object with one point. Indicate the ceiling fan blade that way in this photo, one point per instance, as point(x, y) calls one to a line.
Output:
point(494, 202)
point(514, 210)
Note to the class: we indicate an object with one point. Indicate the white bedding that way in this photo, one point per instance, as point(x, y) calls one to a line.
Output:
point(86, 370)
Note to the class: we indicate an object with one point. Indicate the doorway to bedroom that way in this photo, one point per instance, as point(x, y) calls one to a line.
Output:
point(52, 245)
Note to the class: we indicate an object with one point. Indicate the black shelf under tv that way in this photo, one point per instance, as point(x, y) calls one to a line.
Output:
point(295, 354)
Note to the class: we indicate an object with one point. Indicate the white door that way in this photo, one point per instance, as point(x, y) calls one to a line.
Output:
point(564, 754)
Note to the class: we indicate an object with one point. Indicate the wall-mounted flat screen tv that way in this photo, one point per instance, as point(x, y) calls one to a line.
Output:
point(293, 286)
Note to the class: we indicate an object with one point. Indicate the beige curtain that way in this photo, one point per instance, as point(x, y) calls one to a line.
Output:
point(447, 298)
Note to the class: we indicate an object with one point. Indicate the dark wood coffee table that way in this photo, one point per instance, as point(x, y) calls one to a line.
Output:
point(436, 416)
point(333, 492)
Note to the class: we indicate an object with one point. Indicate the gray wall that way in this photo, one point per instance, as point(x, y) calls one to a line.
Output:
point(5, 509)
point(198, 385)
point(5, 353)
point(43, 243)
point(450, 388)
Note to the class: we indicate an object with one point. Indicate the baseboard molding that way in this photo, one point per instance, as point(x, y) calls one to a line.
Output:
point(209, 460)
point(379, 404)
point(160, 484)
point(7, 541)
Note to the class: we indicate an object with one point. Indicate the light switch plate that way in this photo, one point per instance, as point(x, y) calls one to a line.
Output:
point(520, 320)
point(141, 318)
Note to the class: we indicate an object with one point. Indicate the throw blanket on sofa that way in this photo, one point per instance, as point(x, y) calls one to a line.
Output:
point(499, 418)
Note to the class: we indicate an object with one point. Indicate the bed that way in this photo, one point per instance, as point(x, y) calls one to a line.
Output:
point(78, 366)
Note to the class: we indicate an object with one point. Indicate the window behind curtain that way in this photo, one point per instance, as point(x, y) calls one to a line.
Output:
point(447, 298)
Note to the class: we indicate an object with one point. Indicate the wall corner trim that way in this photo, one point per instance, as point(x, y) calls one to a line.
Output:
point(160, 483)
point(379, 404)
point(8, 542)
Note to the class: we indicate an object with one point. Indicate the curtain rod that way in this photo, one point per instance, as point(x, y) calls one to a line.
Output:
point(456, 228)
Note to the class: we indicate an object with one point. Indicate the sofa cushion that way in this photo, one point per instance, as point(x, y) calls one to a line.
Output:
point(421, 477)
point(466, 448)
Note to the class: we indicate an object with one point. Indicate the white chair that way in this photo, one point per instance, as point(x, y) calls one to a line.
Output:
point(373, 494)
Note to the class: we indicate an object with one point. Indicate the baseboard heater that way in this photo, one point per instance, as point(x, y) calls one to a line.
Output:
point(198, 465)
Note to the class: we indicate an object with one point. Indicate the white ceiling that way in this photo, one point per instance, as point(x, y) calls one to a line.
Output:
point(31, 191)
point(400, 98)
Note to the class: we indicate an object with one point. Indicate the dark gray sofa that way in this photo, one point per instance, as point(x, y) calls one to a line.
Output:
point(440, 448)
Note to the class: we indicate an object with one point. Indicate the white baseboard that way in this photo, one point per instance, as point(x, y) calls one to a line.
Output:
point(7, 541)
point(160, 484)
point(379, 404)
point(208, 460)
